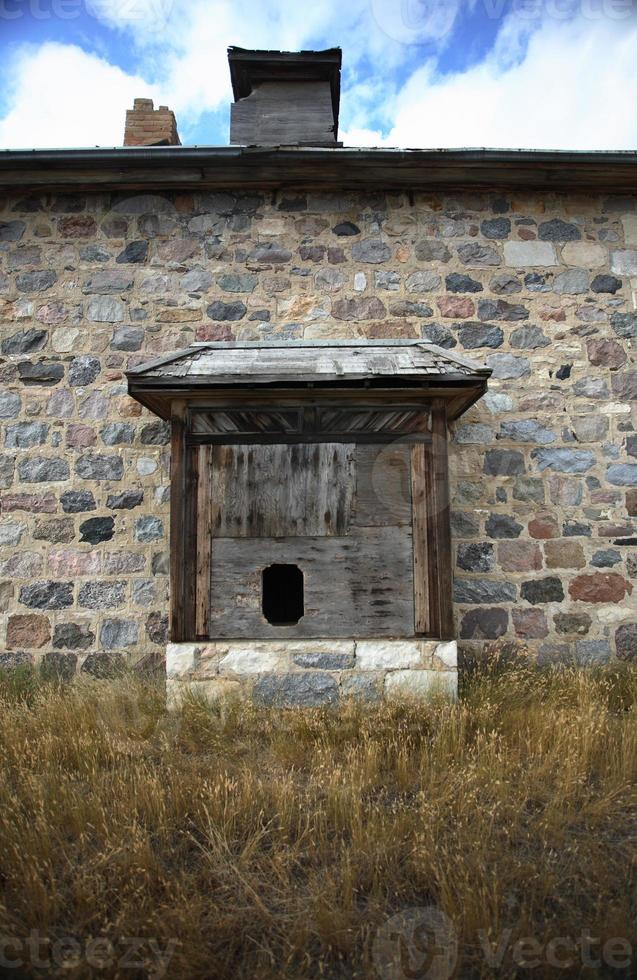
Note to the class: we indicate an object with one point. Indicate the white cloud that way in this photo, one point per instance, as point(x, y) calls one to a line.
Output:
point(62, 96)
point(574, 88)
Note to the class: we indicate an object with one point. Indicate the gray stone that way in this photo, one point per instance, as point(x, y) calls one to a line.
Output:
point(489, 309)
point(47, 595)
point(155, 433)
point(626, 641)
point(144, 592)
point(622, 474)
point(118, 634)
point(434, 333)
point(364, 686)
point(157, 628)
point(11, 533)
point(45, 373)
point(7, 466)
point(504, 284)
point(94, 406)
point(484, 624)
point(428, 250)
point(134, 253)
point(571, 283)
point(105, 309)
point(118, 433)
point(624, 385)
point(477, 256)
point(371, 250)
point(325, 661)
point(36, 282)
point(606, 284)
point(127, 338)
point(422, 282)
point(101, 595)
point(384, 279)
point(606, 558)
point(123, 562)
point(564, 460)
point(590, 428)
point(503, 462)
point(95, 253)
point(479, 556)
point(526, 430)
point(346, 229)
point(10, 405)
point(226, 311)
point(529, 338)
point(506, 366)
point(405, 307)
point(270, 252)
point(126, 500)
point(235, 283)
point(148, 529)
point(71, 636)
point(97, 529)
point(529, 488)
point(572, 623)
point(624, 262)
point(197, 281)
point(478, 591)
point(42, 469)
point(83, 370)
point(24, 435)
point(104, 665)
point(24, 342)
point(496, 228)
point(108, 281)
point(502, 526)
point(93, 467)
point(307, 689)
point(58, 667)
point(542, 590)
point(624, 325)
point(464, 524)
point(557, 230)
point(475, 434)
point(592, 652)
point(576, 529)
point(12, 231)
point(56, 531)
point(591, 388)
point(457, 283)
point(473, 335)
point(77, 501)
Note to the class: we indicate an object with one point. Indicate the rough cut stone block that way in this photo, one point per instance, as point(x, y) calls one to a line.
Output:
point(421, 683)
point(624, 262)
point(384, 654)
point(520, 254)
point(306, 689)
point(253, 661)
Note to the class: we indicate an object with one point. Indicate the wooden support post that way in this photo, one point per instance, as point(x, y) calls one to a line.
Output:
point(441, 565)
point(203, 540)
point(178, 521)
point(422, 610)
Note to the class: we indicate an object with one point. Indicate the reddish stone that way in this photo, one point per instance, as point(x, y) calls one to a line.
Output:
point(36, 503)
point(519, 556)
point(184, 203)
point(631, 503)
point(456, 306)
point(129, 409)
point(28, 631)
point(391, 329)
point(335, 256)
point(600, 587)
point(79, 226)
point(606, 353)
point(80, 436)
point(559, 316)
point(564, 553)
point(544, 526)
point(616, 531)
point(68, 563)
point(402, 253)
point(214, 331)
point(605, 497)
point(178, 250)
point(530, 623)
point(526, 234)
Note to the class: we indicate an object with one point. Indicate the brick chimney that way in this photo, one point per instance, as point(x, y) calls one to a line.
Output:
point(147, 126)
point(285, 98)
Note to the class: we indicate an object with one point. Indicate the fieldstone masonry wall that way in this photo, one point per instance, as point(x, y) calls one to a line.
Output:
point(544, 468)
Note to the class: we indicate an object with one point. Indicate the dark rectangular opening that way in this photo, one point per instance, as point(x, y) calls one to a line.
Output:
point(282, 594)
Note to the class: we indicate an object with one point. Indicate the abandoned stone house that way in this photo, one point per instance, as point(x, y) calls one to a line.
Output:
point(390, 393)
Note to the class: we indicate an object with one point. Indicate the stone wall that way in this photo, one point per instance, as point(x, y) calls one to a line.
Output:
point(544, 473)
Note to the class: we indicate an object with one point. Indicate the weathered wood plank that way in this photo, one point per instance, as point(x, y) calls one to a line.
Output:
point(354, 586)
point(383, 491)
point(178, 523)
point(422, 619)
point(204, 540)
point(280, 490)
point(440, 567)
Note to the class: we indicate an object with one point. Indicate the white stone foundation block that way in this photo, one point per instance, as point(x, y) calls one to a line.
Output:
point(421, 683)
point(392, 654)
point(180, 659)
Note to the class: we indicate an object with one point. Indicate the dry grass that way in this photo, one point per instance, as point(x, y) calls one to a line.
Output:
point(269, 844)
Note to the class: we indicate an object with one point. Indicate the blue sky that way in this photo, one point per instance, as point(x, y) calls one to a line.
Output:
point(525, 73)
